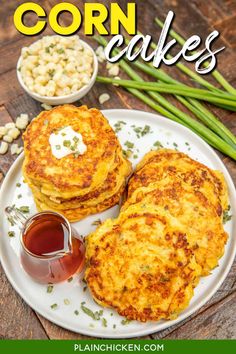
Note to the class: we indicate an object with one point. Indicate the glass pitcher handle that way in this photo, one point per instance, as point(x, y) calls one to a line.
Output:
point(15, 216)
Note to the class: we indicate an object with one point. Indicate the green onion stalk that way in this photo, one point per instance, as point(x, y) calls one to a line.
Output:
point(197, 78)
point(192, 104)
point(215, 73)
point(165, 88)
point(189, 72)
point(185, 120)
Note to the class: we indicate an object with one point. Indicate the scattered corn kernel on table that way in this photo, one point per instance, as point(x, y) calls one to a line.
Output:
point(216, 320)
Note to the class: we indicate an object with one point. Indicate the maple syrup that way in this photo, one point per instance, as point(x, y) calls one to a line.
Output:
point(52, 251)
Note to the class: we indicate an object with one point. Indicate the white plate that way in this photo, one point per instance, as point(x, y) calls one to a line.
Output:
point(168, 133)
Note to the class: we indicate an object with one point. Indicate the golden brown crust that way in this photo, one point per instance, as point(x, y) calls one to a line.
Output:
point(112, 185)
point(69, 173)
point(141, 266)
point(76, 186)
point(156, 165)
point(146, 263)
point(181, 202)
point(191, 192)
point(81, 212)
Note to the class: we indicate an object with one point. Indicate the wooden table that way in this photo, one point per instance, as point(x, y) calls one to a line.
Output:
point(217, 318)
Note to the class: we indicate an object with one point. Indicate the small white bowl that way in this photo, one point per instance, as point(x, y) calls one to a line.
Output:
point(70, 98)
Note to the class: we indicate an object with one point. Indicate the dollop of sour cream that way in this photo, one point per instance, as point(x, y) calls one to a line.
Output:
point(66, 141)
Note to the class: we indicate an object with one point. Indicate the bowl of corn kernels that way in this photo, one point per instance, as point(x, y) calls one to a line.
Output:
point(57, 70)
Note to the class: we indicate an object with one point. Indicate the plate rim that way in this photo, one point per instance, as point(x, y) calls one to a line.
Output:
point(146, 331)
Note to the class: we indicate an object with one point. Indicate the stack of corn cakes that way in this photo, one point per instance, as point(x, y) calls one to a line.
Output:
point(146, 263)
point(75, 185)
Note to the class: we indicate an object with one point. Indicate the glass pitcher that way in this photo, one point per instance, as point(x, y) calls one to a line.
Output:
point(51, 250)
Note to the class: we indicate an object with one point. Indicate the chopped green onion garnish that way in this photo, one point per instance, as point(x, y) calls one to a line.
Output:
point(11, 220)
point(129, 144)
point(146, 130)
point(97, 222)
point(94, 315)
point(158, 144)
point(127, 153)
point(67, 143)
point(76, 140)
point(125, 321)
point(54, 306)
point(88, 311)
point(49, 289)
point(24, 209)
point(226, 216)
point(104, 322)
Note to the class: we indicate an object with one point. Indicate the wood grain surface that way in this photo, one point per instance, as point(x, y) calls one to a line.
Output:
point(217, 318)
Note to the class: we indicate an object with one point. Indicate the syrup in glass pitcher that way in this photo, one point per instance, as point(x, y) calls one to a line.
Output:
point(51, 249)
